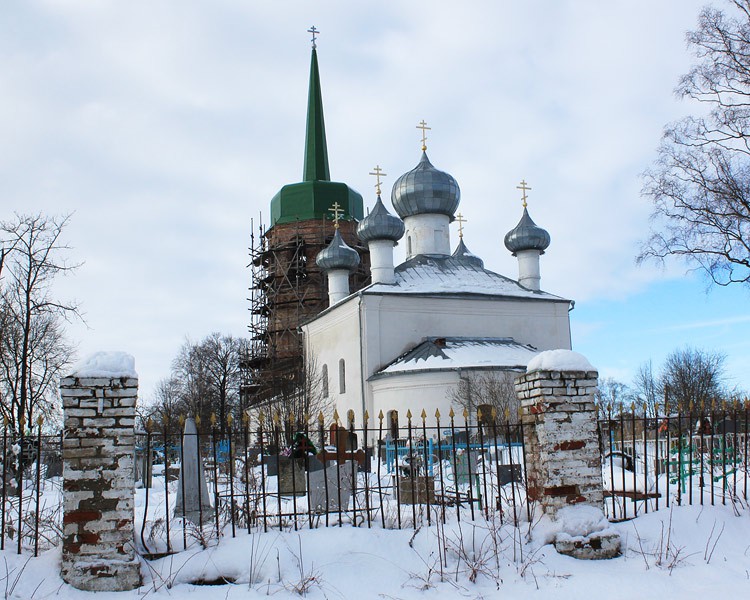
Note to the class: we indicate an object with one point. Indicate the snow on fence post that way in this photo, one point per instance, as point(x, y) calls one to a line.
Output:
point(99, 399)
point(564, 471)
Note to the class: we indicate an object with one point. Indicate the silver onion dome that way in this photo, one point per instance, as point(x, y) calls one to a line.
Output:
point(380, 225)
point(337, 255)
point(425, 190)
point(527, 235)
point(464, 256)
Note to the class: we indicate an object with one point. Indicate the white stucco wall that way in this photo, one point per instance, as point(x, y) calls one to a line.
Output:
point(369, 331)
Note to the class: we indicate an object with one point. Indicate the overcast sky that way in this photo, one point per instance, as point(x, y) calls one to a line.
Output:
point(165, 127)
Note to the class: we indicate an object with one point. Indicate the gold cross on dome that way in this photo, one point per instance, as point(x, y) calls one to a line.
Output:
point(524, 188)
point(378, 172)
point(337, 212)
point(460, 219)
point(423, 126)
point(314, 32)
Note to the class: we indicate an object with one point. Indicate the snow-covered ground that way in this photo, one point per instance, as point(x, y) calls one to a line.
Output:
point(686, 552)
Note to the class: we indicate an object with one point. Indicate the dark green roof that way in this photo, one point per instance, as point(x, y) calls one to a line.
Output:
point(313, 200)
point(316, 194)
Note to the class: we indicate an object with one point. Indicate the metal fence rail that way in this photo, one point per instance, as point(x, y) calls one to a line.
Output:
point(400, 476)
point(389, 475)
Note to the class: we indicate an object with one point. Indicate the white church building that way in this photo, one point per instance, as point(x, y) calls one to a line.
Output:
point(405, 341)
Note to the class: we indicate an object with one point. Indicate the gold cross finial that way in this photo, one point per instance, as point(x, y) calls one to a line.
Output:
point(378, 172)
point(525, 188)
point(423, 126)
point(314, 32)
point(461, 221)
point(337, 212)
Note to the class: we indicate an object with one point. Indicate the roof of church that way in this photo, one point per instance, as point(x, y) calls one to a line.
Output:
point(316, 193)
point(432, 274)
point(451, 353)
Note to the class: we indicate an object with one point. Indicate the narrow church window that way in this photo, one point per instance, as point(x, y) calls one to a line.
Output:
point(408, 246)
point(438, 239)
point(393, 423)
point(324, 380)
point(342, 376)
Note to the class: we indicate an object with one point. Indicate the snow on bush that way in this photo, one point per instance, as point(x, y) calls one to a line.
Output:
point(559, 360)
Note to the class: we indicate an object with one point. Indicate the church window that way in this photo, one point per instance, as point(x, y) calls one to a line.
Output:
point(393, 423)
point(408, 246)
point(342, 376)
point(438, 239)
point(324, 380)
point(485, 415)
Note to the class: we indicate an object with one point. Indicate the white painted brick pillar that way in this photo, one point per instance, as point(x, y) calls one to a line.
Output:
point(561, 438)
point(98, 485)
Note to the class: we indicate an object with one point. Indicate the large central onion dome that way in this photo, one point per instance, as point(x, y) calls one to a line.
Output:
point(380, 225)
point(425, 190)
point(527, 235)
point(337, 255)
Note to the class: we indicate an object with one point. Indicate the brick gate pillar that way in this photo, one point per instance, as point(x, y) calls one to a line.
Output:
point(560, 431)
point(99, 400)
point(563, 466)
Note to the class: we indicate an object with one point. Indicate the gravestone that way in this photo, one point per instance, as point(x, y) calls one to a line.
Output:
point(291, 474)
point(466, 466)
point(193, 500)
point(331, 487)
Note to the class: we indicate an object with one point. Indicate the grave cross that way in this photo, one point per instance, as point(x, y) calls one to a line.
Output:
point(378, 172)
point(524, 188)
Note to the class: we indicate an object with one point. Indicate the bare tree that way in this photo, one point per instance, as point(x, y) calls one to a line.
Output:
point(646, 389)
point(205, 383)
point(488, 390)
point(692, 378)
point(300, 406)
point(612, 396)
point(700, 183)
point(32, 351)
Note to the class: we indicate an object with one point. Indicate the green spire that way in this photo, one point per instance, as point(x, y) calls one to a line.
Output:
point(314, 196)
point(316, 151)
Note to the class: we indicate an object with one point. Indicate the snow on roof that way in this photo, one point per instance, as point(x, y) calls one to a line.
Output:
point(426, 274)
point(462, 353)
point(560, 360)
point(106, 364)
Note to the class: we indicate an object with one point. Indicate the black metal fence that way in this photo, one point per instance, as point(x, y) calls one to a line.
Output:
point(31, 492)
point(277, 476)
point(406, 474)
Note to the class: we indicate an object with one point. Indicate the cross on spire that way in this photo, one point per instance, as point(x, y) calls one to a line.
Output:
point(524, 188)
point(378, 173)
point(337, 212)
point(314, 32)
point(423, 126)
point(460, 219)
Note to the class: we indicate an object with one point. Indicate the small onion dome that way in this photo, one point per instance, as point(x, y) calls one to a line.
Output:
point(527, 235)
point(425, 190)
point(337, 255)
point(380, 225)
point(464, 256)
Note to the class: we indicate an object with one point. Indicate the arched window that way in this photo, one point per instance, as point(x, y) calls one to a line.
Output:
point(324, 380)
point(393, 423)
point(484, 414)
point(342, 376)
